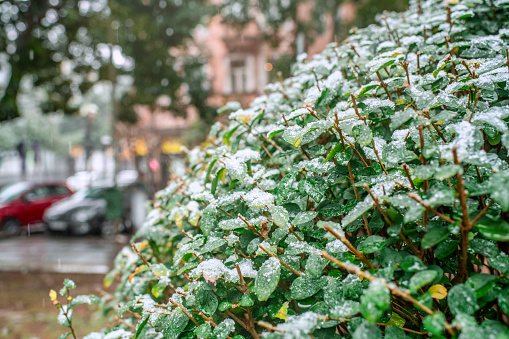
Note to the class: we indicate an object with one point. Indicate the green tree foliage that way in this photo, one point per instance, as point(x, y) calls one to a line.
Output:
point(365, 197)
point(37, 36)
point(41, 38)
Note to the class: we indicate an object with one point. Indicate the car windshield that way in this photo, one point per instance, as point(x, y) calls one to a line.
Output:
point(88, 193)
point(13, 191)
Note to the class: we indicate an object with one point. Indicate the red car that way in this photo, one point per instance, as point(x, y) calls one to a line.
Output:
point(24, 203)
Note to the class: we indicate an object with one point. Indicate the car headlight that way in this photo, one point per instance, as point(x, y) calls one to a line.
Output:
point(84, 214)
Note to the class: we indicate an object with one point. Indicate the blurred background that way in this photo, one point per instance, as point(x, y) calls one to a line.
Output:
point(99, 101)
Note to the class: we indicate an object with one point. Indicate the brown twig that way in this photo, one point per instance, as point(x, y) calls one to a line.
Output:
point(269, 326)
point(348, 244)
point(185, 312)
point(465, 221)
point(430, 209)
point(384, 86)
point(407, 172)
point(281, 261)
point(480, 215)
point(139, 254)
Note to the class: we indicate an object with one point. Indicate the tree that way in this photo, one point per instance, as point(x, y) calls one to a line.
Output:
point(39, 37)
point(97, 41)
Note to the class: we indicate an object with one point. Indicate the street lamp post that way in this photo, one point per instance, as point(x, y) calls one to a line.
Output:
point(88, 111)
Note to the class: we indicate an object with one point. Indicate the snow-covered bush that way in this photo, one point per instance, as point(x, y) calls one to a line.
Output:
point(367, 196)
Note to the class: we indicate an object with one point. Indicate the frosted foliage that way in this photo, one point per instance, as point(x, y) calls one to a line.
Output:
point(232, 239)
point(464, 140)
point(258, 198)
point(246, 268)
point(272, 265)
point(211, 269)
point(236, 168)
point(357, 211)
point(379, 145)
point(230, 198)
point(336, 246)
point(316, 165)
point(305, 322)
point(231, 224)
point(247, 154)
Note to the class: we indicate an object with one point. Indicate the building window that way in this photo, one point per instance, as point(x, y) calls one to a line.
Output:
point(238, 76)
point(241, 75)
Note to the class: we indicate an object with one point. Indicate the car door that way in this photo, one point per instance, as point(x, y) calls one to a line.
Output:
point(36, 201)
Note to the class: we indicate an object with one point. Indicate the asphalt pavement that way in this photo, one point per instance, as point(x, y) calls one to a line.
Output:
point(38, 252)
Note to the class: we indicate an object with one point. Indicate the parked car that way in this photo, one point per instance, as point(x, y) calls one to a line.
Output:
point(92, 210)
point(24, 203)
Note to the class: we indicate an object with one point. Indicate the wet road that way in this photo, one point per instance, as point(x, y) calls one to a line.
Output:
point(43, 253)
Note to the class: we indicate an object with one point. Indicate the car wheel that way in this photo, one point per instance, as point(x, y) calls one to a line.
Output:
point(109, 229)
point(81, 229)
point(11, 226)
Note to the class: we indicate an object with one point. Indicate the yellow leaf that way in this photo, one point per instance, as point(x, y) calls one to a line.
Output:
point(283, 312)
point(400, 101)
point(438, 291)
point(244, 118)
point(179, 218)
point(222, 175)
point(138, 269)
point(53, 295)
point(143, 245)
point(297, 142)
point(193, 219)
point(69, 298)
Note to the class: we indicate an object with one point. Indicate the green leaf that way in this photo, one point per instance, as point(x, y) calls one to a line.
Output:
point(279, 215)
point(481, 283)
point(303, 217)
point(500, 263)
point(372, 244)
point(375, 301)
point(285, 187)
point(267, 279)
point(224, 306)
point(69, 284)
point(446, 248)
point(503, 300)
point(246, 301)
point(84, 299)
point(203, 331)
point(366, 330)
point(363, 133)
point(304, 287)
point(343, 157)
point(435, 236)
point(412, 264)
point(223, 329)
point(315, 265)
point(394, 332)
point(500, 179)
point(494, 228)
point(421, 279)
point(141, 325)
point(209, 170)
point(337, 148)
point(435, 323)
point(175, 324)
point(314, 187)
point(227, 135)
point(462, 299)
point(159, 270)
point(206, 301)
